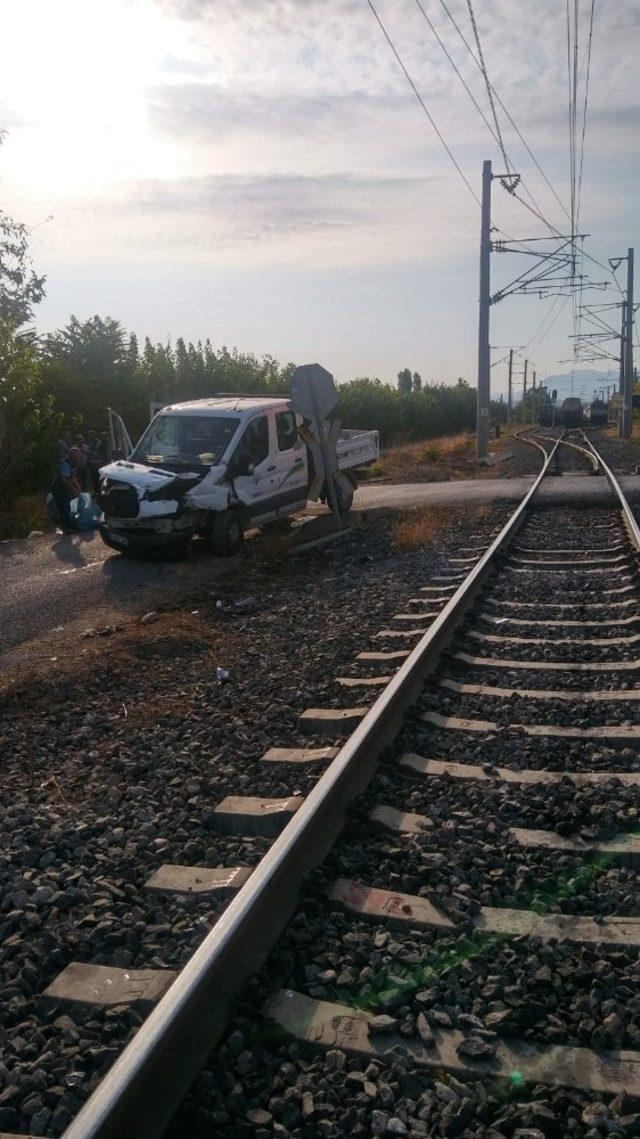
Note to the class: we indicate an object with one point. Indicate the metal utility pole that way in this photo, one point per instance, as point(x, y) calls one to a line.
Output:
point(533, 399)
point(524, 394)
point(621, 367)
point(510, 388)
point(621, 373)
point(627, 393)
point(484, 362)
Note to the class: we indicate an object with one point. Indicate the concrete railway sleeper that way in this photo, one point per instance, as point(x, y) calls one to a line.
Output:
point(464, 949)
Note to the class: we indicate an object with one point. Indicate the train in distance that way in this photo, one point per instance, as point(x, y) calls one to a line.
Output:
point(571, 411)
point(598, 413)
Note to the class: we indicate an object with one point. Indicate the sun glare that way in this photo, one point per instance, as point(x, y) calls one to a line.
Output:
point(74, 77)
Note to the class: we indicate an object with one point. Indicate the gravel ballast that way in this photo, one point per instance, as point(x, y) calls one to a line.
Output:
point(114, 766)
point(466, 857)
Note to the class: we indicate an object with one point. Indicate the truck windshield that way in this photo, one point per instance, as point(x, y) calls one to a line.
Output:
point(179, 442)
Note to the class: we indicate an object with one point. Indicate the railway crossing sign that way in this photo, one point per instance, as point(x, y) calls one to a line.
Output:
point(314, 395)
point(313, 391)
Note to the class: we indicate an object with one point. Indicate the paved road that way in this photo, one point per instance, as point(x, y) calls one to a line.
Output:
point(54, 580)
point(586, 488)
point(76, 582)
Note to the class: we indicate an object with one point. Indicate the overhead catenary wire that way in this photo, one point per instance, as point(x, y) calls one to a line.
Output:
point(505, 109)
point(536, 341)
point(552, 306)
point(494, 131)
point(423, 104)
point(572, 82)
point(585, 105)
point(457, 70)
point(533, 209)
point(488, 85)
point(495, 134)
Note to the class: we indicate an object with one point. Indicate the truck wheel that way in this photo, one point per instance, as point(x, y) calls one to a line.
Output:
point(227, 533)
point(345, 499)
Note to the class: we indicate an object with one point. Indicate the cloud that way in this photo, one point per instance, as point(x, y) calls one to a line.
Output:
point(209, 110)
point(11, 119)
point(239, 209)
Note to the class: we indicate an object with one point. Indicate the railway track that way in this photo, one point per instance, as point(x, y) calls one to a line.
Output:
point(489, 843)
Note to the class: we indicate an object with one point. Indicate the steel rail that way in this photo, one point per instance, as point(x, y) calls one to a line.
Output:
point(593, 458)
point(146, 1084)
point(631, 526)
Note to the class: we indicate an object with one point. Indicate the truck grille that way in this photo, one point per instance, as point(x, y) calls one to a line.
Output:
point(120, 502)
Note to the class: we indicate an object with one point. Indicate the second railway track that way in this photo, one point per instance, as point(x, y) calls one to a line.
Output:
point(471, 934)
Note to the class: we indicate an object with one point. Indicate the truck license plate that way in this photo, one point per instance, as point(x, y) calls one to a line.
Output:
point(119, 538)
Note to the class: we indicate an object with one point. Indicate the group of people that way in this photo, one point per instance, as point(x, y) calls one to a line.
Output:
point(78, 470)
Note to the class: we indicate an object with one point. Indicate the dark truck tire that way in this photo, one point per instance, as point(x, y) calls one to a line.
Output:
point(227, 533)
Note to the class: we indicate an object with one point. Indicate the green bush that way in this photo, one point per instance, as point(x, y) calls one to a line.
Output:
point(436, 409)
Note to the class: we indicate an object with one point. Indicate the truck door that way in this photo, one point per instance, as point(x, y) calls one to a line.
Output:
point(256, 490)
point(290, 461)
point(121, 445)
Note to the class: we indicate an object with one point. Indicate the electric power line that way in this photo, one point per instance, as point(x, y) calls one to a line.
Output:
point(457, 70)
point(423, 104)
point(487, 84)
point(586, 103)
point(550, 325)
point(581, 162)
point(509, 116)
point(554, 304)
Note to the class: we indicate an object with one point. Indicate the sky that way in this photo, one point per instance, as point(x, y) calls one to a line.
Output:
point(260, 171)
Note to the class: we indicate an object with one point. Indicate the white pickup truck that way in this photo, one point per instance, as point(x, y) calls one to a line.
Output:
point(214, 467)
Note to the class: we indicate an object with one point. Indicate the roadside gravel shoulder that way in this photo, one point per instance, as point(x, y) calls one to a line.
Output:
point(114, 762)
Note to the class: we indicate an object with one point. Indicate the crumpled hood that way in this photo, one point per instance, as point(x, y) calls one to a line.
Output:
point(141, 477)
point(211, 491)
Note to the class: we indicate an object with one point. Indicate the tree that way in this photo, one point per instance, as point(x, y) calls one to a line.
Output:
point(25, 412)
point(20, 287)
point(404, 380)
point(417, 382)
point(89, 366)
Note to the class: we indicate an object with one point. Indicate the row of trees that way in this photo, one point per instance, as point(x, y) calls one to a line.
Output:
point(70, 377)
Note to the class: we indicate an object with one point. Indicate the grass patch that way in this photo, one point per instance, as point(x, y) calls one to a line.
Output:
point(25, 513)
point(375, 471)
point(444, 452)
point(416, 528)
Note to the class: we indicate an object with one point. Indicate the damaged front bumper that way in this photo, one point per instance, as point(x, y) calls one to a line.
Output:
point(138, 540)
point(146, 509)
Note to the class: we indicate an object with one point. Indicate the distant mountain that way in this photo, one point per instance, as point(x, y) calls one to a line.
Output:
point(581, 376)
point(585, 382)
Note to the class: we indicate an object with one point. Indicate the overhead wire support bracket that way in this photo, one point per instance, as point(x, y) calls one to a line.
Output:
point(509, 182)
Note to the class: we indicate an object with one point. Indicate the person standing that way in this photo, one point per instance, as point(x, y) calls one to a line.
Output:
point(98, 456)
point(65, 486)
point(82, 465)
point(64, 442)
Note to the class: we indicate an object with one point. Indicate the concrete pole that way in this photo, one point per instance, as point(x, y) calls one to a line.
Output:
point(524, 394)
point(510, 388)
point(533, 399)
point(627, 404)
point(621, 368)
point(484, 363)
